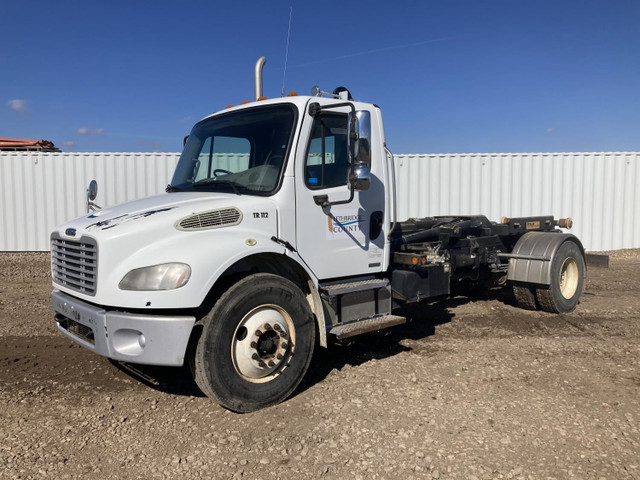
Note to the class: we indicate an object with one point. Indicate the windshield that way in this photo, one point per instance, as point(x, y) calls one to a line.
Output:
point(242, 152)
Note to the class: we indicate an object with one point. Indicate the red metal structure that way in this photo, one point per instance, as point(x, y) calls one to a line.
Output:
point(22, 145)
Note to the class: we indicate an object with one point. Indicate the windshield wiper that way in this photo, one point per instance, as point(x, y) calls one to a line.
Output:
point(220, 181)
point(171, 188)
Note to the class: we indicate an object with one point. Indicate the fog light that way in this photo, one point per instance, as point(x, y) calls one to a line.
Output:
point(128, 341)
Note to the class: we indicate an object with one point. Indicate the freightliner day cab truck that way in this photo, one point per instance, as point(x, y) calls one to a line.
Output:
point(276, 235)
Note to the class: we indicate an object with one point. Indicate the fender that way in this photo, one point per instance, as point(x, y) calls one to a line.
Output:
point(532, 256)
point(313, 298)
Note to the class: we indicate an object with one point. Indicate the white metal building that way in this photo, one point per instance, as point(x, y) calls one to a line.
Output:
point(598, 190)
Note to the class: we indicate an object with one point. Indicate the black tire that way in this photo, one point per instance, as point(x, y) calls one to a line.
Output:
point(525, 296)
point(567, 279)
point(256, 343)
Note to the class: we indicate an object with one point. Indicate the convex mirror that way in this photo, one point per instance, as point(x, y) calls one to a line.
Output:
point(359, 134)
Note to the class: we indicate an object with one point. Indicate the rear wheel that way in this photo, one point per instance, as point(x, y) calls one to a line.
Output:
point(567, 277)
point(525, 296)
point(256, 343)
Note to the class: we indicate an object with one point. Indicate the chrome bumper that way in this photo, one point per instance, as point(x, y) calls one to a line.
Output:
point(128, 337)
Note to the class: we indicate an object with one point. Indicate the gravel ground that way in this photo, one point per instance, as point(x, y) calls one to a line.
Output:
point(471, 388)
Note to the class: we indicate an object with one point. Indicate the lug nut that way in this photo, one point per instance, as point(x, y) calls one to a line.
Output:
point(271, 364)
point(284, 344)
point(277, 328)
point(279, 356)
point(283, 334)
point(254, 345)
point(258, 333)
point(255, 356)
point(262, 364)
point(267, 326)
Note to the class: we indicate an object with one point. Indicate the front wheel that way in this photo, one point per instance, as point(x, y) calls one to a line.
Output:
point(567, 277)
point(256, 343)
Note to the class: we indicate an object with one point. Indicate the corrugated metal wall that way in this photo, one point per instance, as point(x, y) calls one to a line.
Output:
point(42, 190)
point(599, 190)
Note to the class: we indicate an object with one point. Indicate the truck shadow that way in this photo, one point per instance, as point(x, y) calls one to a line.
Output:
point(422, 320)
point(171, 380)
point(421, 323)
point(475, 293)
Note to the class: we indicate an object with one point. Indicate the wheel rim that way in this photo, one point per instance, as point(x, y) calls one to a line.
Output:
point(263, 343)
point(569, 277)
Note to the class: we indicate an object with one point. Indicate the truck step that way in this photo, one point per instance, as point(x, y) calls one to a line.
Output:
point(369, 325)
point(336, 289)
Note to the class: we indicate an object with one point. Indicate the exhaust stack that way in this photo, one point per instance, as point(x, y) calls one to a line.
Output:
point(258, 76)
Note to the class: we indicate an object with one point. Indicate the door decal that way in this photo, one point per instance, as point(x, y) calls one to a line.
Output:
point(343, 224)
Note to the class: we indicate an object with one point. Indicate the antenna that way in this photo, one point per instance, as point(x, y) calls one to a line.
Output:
point(286, 55)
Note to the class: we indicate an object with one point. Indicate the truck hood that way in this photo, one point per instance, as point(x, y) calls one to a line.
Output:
point(149, 213)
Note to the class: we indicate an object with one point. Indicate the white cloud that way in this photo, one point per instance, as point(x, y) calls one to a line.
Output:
point(18, 105)
point(185, 119)
point(90, 131)
point(69, 144)
point(549, 130)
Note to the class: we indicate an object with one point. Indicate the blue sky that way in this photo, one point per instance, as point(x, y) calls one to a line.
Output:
point(450, 76)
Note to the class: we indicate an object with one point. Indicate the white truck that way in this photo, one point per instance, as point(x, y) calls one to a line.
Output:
point(276, 234)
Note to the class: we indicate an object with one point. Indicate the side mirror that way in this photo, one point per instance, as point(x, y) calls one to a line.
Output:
point(359, 135)
point(92, 193)
point(184, 140)
point(361, 179)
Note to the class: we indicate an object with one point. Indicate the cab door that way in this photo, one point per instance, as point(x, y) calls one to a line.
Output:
point(337, 240)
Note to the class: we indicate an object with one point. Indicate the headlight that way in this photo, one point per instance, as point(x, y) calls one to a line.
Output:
point(167, 276)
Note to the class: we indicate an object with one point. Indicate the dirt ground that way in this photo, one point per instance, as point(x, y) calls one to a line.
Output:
point(471, 388)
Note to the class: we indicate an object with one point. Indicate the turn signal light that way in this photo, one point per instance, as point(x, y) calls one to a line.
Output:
point(418, 260)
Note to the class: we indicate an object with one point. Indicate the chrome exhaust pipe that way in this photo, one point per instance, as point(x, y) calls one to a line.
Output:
point(258, 76)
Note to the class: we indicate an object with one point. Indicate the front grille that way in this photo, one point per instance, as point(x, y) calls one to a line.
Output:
point(74, 264)
point(224, 217)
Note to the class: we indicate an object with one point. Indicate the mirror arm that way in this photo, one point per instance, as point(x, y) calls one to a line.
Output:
point(92, 207)
point(315, 108)
point(323, 200)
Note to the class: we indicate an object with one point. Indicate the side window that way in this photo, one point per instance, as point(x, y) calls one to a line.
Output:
point(327, 162)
